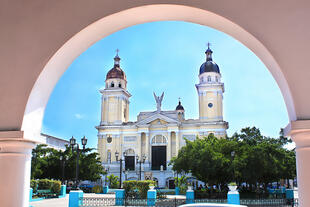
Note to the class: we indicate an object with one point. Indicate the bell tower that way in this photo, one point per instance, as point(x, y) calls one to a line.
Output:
point(210, 90)
point(115, 97)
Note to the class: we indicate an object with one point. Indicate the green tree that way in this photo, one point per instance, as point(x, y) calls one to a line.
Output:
point(256, 159)
point(46, 163)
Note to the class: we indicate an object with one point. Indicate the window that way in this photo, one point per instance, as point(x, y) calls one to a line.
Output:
point(119, 85)
point(109, 156)
point(112, 84)
point(216, 79)
point(159, 139)
point(209, 78)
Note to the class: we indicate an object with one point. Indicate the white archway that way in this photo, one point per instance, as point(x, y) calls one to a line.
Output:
point(61, 60)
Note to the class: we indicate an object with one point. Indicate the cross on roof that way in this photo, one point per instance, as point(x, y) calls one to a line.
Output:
point(117, 50)
point(208, 44)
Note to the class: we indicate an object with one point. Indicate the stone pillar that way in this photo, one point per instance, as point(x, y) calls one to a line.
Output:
point(177, 191)
point(74, 198)
point(30, 194)
point(15, 166)
point(190, 196)
point(147, 146)
point(151, 197)
point(119, 197)
point(63, 192)
point(233, 197)
point(300, 133)
point(177, 142)
point(105, 189)
point(169, 148)
point(139, 141)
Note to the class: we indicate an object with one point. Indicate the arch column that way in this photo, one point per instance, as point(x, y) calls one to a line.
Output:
point(300, 133)
point(15, 166)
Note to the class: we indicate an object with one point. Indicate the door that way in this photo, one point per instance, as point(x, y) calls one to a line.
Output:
point(159, 158)
point(129, 162)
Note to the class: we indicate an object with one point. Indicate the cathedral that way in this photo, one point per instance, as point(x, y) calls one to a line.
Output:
point(146, 146)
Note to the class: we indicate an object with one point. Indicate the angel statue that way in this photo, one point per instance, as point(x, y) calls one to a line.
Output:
point(158, 101)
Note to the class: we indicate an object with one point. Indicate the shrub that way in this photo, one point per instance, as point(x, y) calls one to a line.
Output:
point(44, 184)
point(97, 189)
point(144, 186)
point(56, 186)
point(130, 187)
point(232, 184)
point(34, 185)
point(113, 181)
point(137, 189)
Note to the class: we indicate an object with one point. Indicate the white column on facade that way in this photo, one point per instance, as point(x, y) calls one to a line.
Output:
point(300, 133)
point(177, 142)
point(139, 141)
point(147, 146)
point(168, 147)
point(15, 166)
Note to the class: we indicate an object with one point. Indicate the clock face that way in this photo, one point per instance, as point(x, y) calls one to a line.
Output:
point(109, 139)
point(210, 105)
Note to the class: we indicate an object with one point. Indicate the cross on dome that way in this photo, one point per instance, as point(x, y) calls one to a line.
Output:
point(208, 44)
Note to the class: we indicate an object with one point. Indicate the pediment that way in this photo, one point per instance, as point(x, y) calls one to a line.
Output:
point(157, 119)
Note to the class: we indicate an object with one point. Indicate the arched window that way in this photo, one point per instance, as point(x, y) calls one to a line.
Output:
point(112, 84)
point(109, 156)
point(119, 85)
point(209, 78)
point(130, 152)
point(216, 79)
point(159, 140)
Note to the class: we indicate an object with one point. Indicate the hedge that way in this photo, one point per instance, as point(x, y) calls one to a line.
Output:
point(137, 189)
point(46, 184)
point(97, 189)
point(34, 185)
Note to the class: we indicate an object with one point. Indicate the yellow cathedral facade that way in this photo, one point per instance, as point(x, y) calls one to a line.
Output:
point(156, 136)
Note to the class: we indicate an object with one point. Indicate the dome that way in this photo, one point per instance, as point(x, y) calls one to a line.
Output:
point(179, 107)
point(116, 71)
point(209, 66)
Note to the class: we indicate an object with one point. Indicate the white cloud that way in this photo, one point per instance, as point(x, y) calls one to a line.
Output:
point(79, 116)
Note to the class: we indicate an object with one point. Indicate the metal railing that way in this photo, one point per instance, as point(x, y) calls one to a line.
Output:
point(174, 202)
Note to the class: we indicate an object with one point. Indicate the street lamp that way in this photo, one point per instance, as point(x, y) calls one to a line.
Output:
point(120, 166)
point(63, 160)
point(140, 162)
point(233, 157)
point(106, 169)
point(72, 144)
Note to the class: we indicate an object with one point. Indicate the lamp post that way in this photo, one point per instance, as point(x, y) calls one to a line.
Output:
point(72, 144)
point(106, 176)
point(140, 161)
point(233, 157)
point(120, 166)
point(63, 160)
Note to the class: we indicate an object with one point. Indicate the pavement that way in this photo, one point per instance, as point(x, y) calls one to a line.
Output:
point(52, 202)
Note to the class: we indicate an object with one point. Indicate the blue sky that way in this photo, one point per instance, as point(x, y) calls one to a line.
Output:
point(165, 56)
